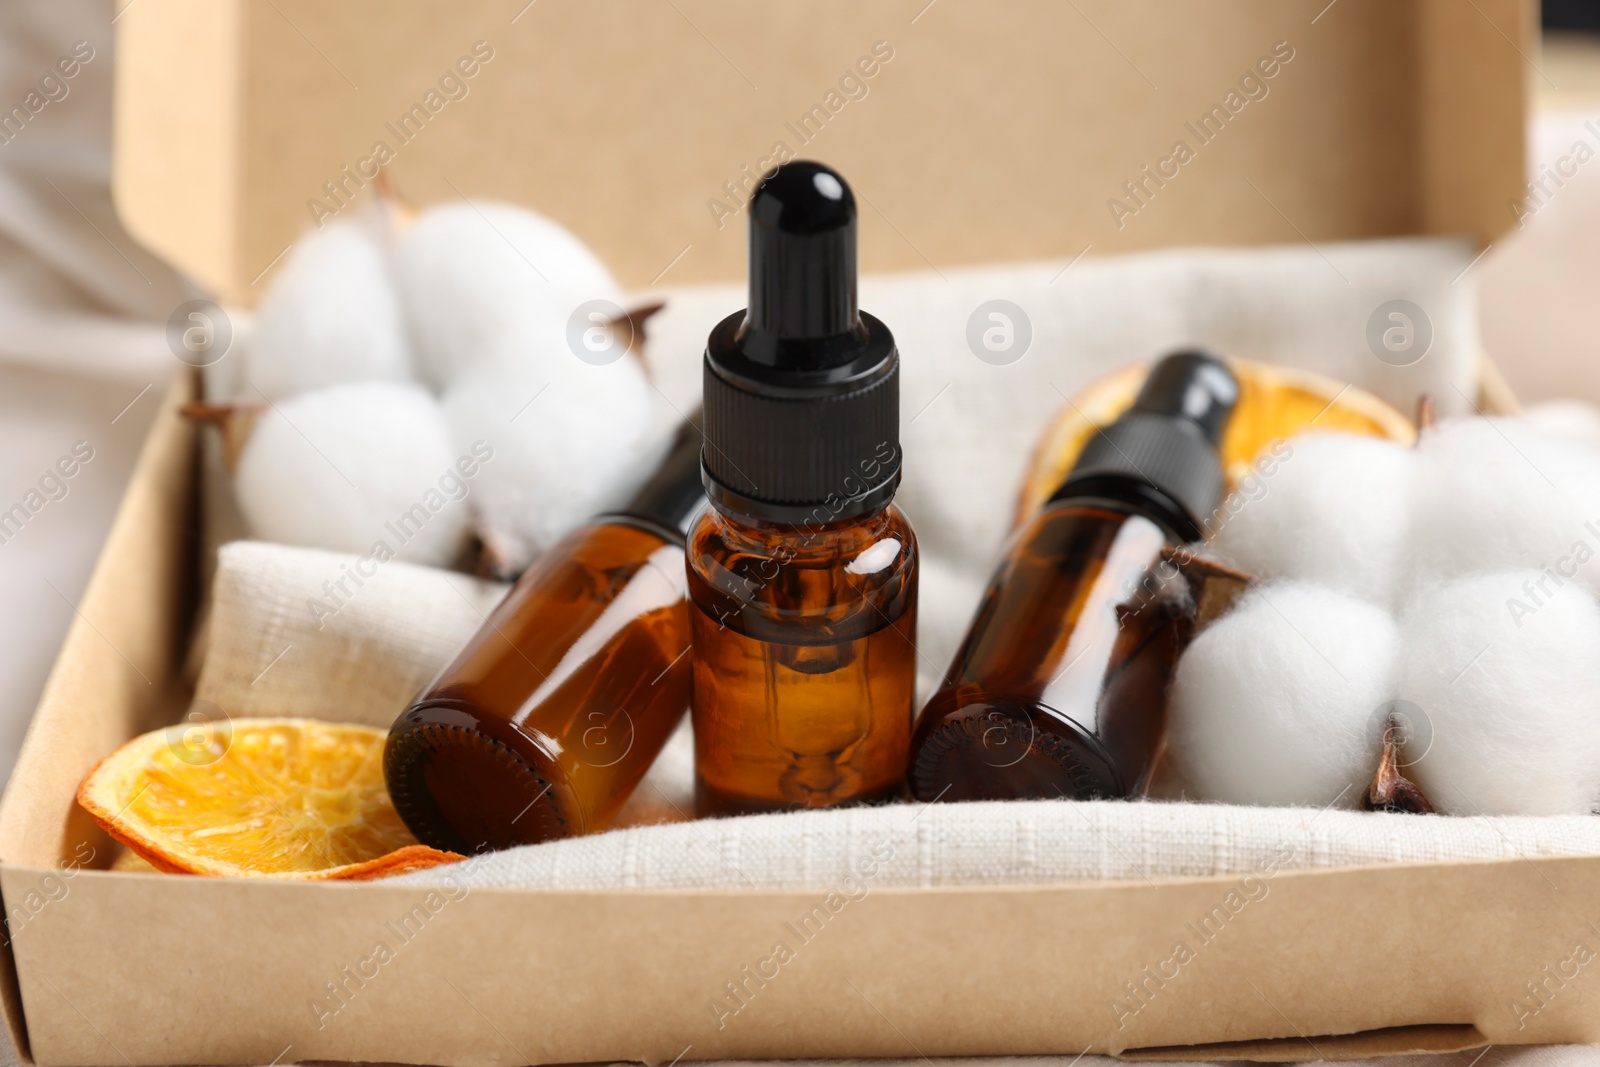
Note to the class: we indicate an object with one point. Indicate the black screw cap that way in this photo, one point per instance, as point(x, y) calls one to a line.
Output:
point(1162, 451)
point(802, 390)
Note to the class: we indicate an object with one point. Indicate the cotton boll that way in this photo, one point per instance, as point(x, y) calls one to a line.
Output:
point(332, 315)
point(1272, 702)
point(1335, 510)
point(351, 465)
point(1494, 494)
point(475, 274)
point(1505, 671)
point(1575, 421)
point(570, 440)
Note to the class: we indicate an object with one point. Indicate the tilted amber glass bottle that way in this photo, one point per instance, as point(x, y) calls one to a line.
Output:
point(802, 574)
point(546, 721)
point(1059, 688)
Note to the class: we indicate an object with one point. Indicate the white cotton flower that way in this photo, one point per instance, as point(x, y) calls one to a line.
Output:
point(570, 440)
point(1576, 421)
point(331, 315)
point(1273, 702)
point(351, 465)
point(1495, 494)
point(473, 275)
point(1483, 539)
point(1336, 510)
point(1504, 673)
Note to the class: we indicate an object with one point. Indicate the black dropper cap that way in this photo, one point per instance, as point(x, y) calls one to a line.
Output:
point(802, 389)
point(1162, 453)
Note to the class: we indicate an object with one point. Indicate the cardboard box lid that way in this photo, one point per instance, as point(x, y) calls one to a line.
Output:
point(972, 132)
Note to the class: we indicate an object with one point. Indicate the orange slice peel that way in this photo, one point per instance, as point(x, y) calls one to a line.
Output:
point(1275, 403)
point(295, 799)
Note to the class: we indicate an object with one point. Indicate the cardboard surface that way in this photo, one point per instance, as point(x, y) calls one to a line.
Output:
point(114, 678)
point(1398, 1041)
point(986, 132)
point(512, 977)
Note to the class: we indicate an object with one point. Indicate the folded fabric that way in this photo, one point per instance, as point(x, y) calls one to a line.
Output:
point(275, 650)
point(303, 632)
point(1036, 842)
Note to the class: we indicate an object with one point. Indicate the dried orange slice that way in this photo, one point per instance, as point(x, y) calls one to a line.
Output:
point(1274, 403)
point(275, 798)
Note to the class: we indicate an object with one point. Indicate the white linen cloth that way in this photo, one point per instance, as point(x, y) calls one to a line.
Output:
point(995, 843)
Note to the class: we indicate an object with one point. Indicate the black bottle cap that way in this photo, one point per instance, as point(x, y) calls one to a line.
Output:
point(802, 390)
point(1162, 452)
point(672, 495)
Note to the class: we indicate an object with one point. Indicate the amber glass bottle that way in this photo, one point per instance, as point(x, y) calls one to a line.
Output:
point(546, 721)
point(802, 574)
point(1059, 688)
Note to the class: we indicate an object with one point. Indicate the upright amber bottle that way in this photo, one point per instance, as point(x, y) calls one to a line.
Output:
point(546, 721)
point(1059, 688)
point(802, 573)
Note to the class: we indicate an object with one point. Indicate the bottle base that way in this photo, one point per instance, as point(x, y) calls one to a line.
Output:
point(1001, 749)
point(710, 801)
point(461, 790)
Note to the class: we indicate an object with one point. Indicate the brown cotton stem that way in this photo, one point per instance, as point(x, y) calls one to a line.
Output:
point(1214, 586)
point(632, 323)
point(494, 559)
point(1390, 790)
point(1425, 413)
point(217, 414)
point(234, 421)
point(385, 185)
point(398, 212)
point(636, 318)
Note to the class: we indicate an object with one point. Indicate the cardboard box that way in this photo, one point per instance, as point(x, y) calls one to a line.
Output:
point(995, 132)
point(1391, 118)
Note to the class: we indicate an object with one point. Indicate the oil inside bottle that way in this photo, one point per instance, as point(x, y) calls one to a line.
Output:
point(803, 680)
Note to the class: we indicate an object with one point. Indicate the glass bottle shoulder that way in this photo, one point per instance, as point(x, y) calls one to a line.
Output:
point(801, 571)
point(873, 549)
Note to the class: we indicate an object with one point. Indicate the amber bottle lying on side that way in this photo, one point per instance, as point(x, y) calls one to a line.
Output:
point(1058, 689)
point(546, 721)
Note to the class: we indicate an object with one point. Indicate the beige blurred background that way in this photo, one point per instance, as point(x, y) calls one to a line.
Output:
point(1539, 289)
